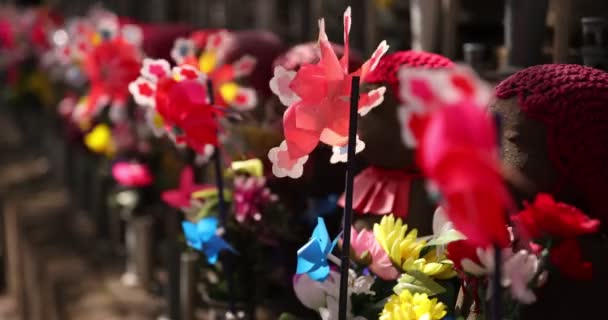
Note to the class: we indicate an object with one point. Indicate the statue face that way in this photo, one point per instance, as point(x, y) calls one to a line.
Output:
point(524, 147)
point(381, 131)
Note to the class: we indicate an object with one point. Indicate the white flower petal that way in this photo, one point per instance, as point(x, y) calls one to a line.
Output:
point(155, 69)
point(296, 170)
point(279, 84)
point(340, 153)
point(471, 267)
point(143, 92)
point(404, 114)
point(187, 72)
point(376, 97)
point(133, 34)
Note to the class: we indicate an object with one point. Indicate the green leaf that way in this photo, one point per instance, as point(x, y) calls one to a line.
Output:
point(208, 206)
point(446, 237)
point(427, 282)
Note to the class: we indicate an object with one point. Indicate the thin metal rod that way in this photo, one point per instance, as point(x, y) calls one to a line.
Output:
point(219, 181)
point(496, 302)
point(348, 203)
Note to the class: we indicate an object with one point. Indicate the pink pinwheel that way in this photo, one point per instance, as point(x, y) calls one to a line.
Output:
point(131, 174)
point(181, 198)
point(317, 100)
point(457, 149)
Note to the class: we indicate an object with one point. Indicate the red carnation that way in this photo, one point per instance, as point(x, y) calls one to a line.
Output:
point(545, 217)
point(567, 257)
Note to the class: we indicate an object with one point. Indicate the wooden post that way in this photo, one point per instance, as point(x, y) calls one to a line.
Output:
point(370, 25)
point(144, 263)
point(187, 285)
point(424, 22)
point(315, 12)
point(561, 31)
point(265, 14)
point(449, 27)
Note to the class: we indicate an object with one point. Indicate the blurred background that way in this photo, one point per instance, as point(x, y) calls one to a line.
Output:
point(77, 245)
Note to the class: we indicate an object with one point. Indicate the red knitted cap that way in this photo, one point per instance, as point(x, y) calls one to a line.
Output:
point(572, 101)
point(386, 70)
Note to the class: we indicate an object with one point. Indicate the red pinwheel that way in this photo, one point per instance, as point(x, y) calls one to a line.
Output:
point(110, 67)
point(211, 65)
point(457, 149)
point(181, 198)
point(178, 100)
point(317, 100)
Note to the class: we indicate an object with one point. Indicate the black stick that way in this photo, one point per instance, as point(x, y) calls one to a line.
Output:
point(348, 203)
point(496, 302)
point(219, 181)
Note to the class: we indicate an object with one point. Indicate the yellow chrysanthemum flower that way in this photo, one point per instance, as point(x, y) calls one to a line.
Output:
point(99, 140)
point(404, 249)
point(418, 306)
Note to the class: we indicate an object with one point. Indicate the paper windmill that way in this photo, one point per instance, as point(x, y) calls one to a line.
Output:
point(457, 148)
point(177, 100)
point(181, 198)
point(227, 92)
point(203, 237)
point(312, 257)
point(110, 65)
point(317, 100)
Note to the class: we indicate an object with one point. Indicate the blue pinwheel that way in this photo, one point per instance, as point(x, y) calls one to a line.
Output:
point(312, 257)
point(203, 237)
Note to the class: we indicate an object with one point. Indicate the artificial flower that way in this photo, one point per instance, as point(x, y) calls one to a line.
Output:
point(402, 246)
point(313, 294)
point(178, 100)
point(131, 174)
point(568, 259)
point(203, 236)
point(251, 196)
point(211, 65)
point(331, 312)
point(110, 67)
point(457, 148)
point(408, 306)
point(360, 285)
point(404, 249)
point(100, 140)
point(518, 271)
point(323, 296)
point(313, 256)
point(252, 167)
point(380, 191)
point(364, 244)
point(181, 198)
point(318, 97)
point(546, 217)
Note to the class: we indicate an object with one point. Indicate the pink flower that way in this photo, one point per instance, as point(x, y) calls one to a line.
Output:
point(181, 197)
point(131, 174)
point(365, 242)
point(251, 196)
